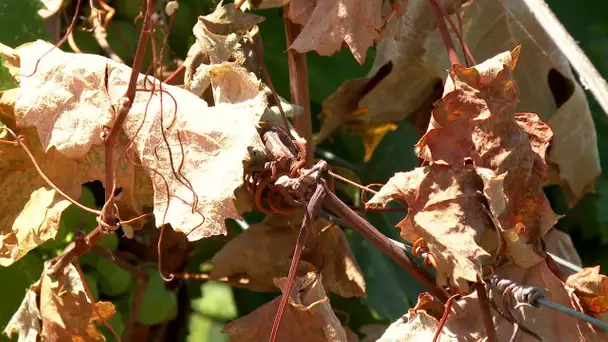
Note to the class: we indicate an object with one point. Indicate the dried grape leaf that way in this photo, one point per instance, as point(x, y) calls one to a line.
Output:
point(546, 82)
point(446, 209)
point(26, 321)
point(31, 209)
point(465, 322)
point(62, 308)
point(222, 36)
point(308, 316)
point(592, 288)
point(475, 120)
point(264, 252)
point(196, 154)
point(332, 22)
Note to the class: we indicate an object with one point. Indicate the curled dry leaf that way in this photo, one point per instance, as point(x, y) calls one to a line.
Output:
point(194, 158)
point(230, 83)
point(26, 321)
point(446, 208)
point(592, 288)
point(264, 251)
point(465, 323)
point(546, 82)
point(58, 309)
point(222, 36)
point(308, 316)
point(332, 22)
point(30, 209)
point(474, 120)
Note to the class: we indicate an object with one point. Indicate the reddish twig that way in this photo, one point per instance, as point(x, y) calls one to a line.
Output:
point(123, 110)
point(313, 206)
point(370, 233)
point(444, 317)
point(298, 81)
point(486, 314)
point(445, 35)
point(457, 31)
point(175, 74)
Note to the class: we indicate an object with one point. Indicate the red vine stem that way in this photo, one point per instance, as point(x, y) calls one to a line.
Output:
point(457, 30)
point(107, 215)
point(312, 208)
point(383, 243)
point(298, 81)
point(445, 35)
point(124, 108)
point(444, 317)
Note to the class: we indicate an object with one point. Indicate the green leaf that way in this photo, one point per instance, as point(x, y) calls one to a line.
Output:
point(216, 301)
point(19, 23)
point(204, 329)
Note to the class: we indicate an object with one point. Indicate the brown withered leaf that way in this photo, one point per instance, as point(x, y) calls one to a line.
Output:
point(475, 120)
point(592, 288)
point(63, 310)
point(26, 321)
point(465, 322)
point(222, 36)
point(308, 316)
point(264, 252)
point(332, 22)
point(31, 209)
point(547, 84)
point(194, 158)
point(446, 208)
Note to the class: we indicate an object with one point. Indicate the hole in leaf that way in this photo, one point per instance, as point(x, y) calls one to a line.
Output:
point(99, 191)
point(561, 87)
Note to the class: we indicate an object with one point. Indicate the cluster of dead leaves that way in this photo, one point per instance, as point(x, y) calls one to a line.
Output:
point(479, 203)
point(181, 151)
point(59, 309)
point(409, 70)
point(328, 24)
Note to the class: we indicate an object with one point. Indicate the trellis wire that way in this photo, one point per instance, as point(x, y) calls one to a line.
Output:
point(535, 296)
point(532, 295)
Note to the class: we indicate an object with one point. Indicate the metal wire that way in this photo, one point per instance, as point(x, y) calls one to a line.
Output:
point(525, 294)
point(517, 293)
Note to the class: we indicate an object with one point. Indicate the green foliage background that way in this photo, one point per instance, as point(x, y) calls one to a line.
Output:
point(390, 289)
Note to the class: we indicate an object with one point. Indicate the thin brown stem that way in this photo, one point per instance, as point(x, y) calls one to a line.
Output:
point(383, 243)
point(298, 81)
point(348, 181)
point(486, 314)
point(312, 208)
point(457, 31)
point(445, 35)
point(175, 74)
point(444, 317)
point(123, 111)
